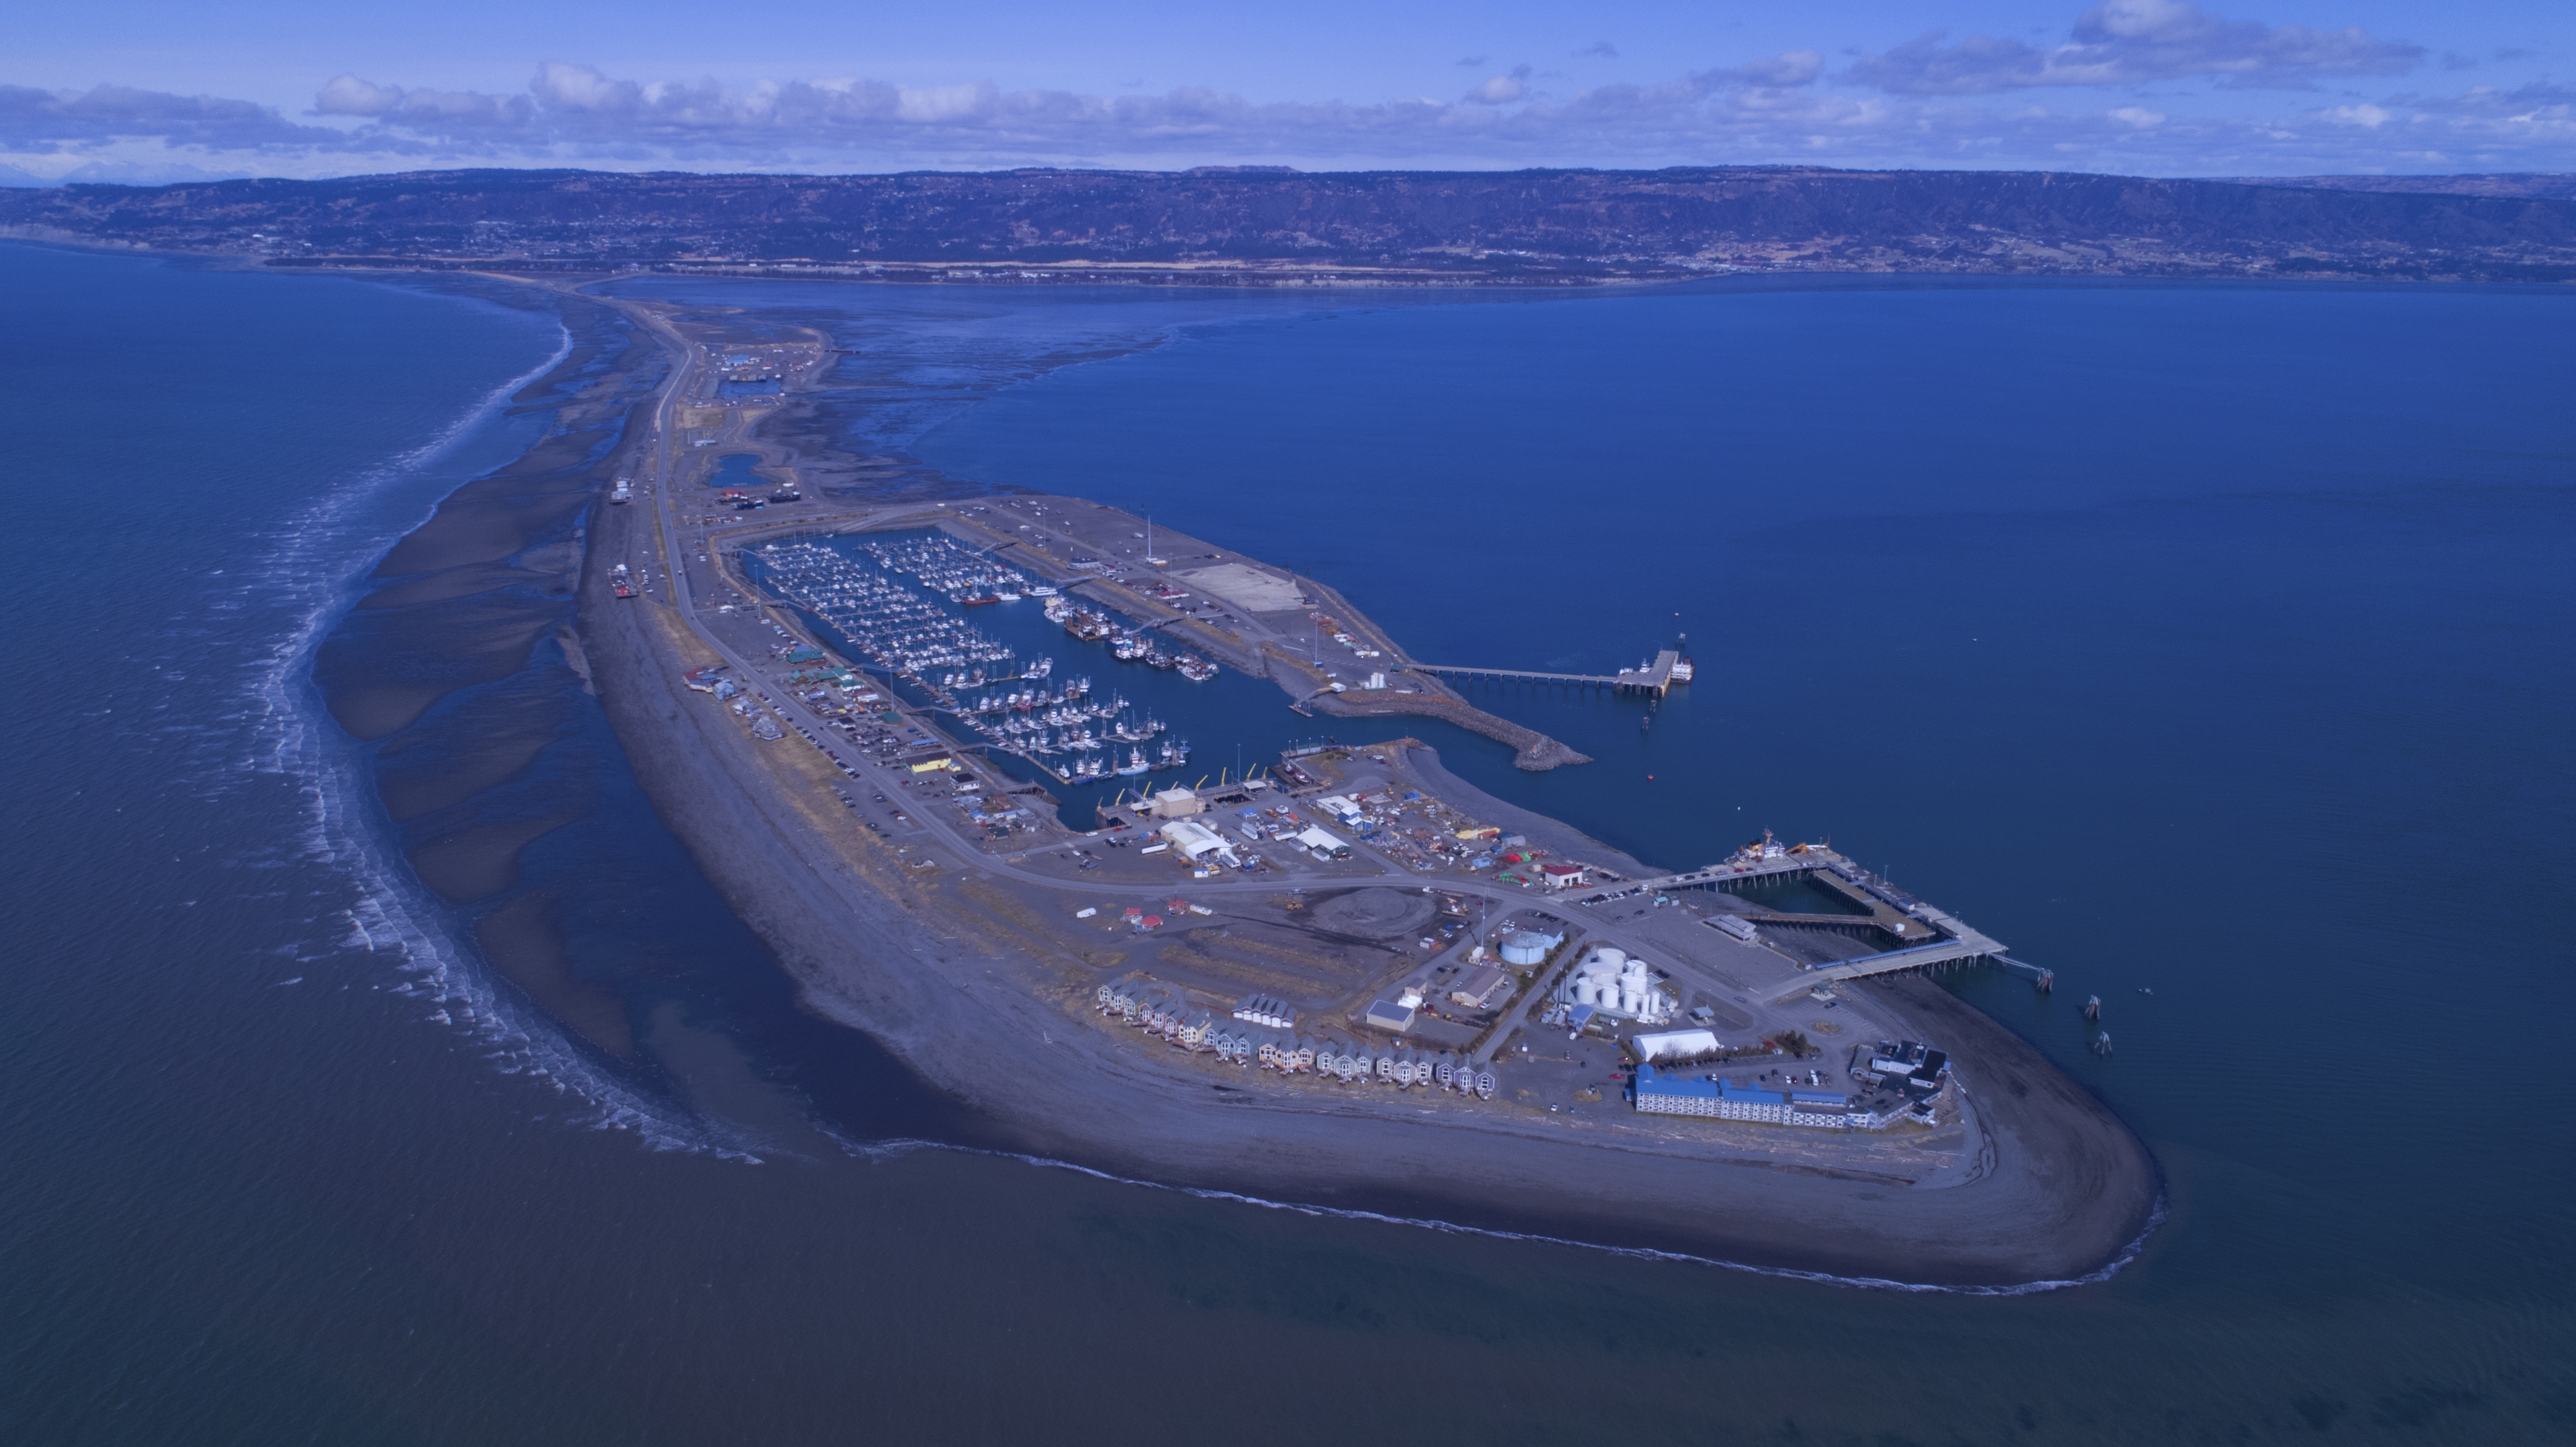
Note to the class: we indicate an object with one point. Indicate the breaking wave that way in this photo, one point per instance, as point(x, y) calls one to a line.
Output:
point(314, 565)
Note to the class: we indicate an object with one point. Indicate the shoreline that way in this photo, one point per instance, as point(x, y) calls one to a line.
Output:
point(2064, 1190)
point(908, 960)
point(1083, 1097)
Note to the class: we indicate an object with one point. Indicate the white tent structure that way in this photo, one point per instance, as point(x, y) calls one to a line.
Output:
point(1197, 841)
point(1676, 1045)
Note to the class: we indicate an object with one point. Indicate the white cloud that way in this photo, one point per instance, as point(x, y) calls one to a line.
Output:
point(347, 95)
point(1782, 108)
point(581, 87)
point(2127, 42)
point(45, 122)
point(1771, 109)
point(1502, 90)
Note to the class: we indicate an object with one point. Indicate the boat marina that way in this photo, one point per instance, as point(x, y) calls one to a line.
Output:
point(1009, 704)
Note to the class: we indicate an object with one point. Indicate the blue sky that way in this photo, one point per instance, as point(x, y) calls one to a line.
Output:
point(149, 88)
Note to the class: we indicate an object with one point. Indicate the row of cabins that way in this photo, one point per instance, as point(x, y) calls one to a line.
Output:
point(1161, 1010)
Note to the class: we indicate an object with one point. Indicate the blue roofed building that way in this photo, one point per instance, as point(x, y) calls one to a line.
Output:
point(1661, 1094)
point(1658, 1093)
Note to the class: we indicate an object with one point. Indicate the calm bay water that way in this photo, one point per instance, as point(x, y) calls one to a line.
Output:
point(2208, 641)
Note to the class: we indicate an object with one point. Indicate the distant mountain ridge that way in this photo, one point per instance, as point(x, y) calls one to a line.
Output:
point(1220, 224)
point(2546, 185)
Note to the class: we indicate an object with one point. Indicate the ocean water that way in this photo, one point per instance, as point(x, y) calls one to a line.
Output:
point(2208, 641)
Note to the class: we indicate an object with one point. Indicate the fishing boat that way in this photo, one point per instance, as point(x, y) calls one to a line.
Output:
point(1197, 669)
point(1135, 764)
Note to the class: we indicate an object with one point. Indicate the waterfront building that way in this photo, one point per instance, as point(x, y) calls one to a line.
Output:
point(1907, 1060)
point(1196, 841)
point(1657, 1093)
point(1175, 804)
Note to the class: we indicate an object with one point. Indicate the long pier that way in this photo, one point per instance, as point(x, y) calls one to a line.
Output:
point(1965, 943)
point(1713, 875)
point(1975, 947)
point(1960, 942)
point(1656, 677)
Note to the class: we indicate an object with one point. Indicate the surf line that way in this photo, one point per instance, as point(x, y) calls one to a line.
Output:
point(886, 1149)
